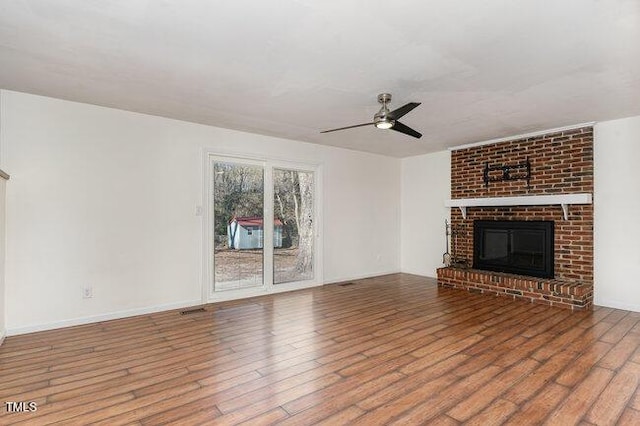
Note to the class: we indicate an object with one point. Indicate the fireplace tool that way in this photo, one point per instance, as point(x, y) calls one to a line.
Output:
point(454, 245)
point(456, 260)
point(446, 257)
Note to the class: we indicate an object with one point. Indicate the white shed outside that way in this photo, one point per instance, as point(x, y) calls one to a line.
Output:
point(248, 233)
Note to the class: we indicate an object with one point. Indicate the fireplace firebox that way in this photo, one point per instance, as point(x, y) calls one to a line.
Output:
point(517, 247)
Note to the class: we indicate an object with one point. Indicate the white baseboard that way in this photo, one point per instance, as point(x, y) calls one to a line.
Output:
point(431, 274)
point(421, 275)
point(617, 305)
point(361, 277)
point(102, 317)
point(3, 334)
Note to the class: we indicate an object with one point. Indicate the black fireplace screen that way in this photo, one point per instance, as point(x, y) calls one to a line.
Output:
point(518, 247)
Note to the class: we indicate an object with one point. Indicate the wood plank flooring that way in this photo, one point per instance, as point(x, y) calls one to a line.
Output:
point(386, 350)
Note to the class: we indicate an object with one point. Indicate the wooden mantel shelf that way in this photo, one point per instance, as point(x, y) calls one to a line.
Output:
point(564, 200)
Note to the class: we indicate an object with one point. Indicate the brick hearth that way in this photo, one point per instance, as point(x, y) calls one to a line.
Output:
point(563, 294)
point(561, 163)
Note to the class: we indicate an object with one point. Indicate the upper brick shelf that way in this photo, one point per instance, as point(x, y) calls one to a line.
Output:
point(564, 200)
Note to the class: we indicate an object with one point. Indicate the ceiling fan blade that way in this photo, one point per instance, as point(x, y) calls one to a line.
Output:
point(348, 127)
point(399, 127)
point(398, 113)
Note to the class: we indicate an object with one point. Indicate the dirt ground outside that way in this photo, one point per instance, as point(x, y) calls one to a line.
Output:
point(243, 268)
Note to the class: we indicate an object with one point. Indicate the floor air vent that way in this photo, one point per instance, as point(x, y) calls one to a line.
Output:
point(192, 311)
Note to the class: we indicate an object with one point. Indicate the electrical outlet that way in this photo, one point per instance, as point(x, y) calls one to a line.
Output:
point(87, 292)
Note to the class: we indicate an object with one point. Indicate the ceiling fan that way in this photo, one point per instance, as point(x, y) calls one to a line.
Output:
point(385, 119)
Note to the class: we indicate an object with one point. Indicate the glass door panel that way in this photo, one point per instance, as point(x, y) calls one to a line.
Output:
point(293, 232)
point(238, 205)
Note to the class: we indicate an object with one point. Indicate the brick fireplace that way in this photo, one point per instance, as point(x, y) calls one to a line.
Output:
point(556, 164)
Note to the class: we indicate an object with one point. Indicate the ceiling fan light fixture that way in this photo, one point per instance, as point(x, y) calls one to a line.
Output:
point(385, 124)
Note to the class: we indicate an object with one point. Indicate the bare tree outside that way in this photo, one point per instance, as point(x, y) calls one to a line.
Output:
point(293, 206)
point(239, 228)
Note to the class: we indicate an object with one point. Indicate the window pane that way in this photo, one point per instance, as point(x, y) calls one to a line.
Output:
point(293, 232)
point(238, 225)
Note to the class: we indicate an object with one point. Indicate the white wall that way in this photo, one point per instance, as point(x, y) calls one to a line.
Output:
point(107, 198)
point(3, 330)
point(616, 210)
point(3, 188)
point(426, 183)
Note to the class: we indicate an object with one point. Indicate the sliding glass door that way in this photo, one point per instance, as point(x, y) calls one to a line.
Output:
point(253, 202)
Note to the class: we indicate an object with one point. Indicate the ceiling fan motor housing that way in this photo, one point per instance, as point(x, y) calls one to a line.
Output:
point(383, 98)
point(380, 119)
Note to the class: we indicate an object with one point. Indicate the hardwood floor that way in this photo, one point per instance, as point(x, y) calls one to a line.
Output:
point(387, 350)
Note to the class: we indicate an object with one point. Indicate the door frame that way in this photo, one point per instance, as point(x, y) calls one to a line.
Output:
point(207, 290)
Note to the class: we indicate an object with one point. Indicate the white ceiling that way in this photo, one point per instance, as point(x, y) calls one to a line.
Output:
point(290, 68)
